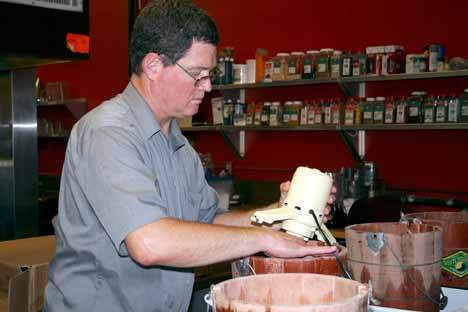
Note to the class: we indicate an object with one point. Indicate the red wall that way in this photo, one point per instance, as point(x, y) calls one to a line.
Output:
point(413, 159)
point(431, 160)
point(97, 79)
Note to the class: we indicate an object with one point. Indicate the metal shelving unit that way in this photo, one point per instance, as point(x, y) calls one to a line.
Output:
point(353, 136)
point(304, 82)
point(340, 127)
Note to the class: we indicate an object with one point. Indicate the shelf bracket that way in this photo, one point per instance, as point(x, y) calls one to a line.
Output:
point(354, 141)
point(236, 140)
point(77, 107)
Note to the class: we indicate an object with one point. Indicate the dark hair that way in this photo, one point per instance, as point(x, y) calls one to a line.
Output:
point(169, 27)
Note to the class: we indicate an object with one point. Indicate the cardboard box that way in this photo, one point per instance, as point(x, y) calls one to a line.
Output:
point(23, 273)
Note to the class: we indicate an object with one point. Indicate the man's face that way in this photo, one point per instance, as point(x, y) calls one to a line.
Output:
point(180, 89)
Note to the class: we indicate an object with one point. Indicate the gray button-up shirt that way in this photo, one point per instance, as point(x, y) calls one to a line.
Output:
point(121, 173)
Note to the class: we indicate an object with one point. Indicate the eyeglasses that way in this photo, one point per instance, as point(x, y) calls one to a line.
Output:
point(198, 80)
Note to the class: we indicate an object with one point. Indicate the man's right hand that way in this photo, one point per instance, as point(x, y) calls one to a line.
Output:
point(283, 245)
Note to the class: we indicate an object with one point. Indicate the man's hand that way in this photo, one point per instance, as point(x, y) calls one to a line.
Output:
point(284, 188)
point(282, 245)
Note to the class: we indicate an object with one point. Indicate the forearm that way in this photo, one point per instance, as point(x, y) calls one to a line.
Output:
point(239, 217)
point(176, 243)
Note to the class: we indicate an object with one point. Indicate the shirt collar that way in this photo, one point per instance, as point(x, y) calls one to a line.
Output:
point(146, 120)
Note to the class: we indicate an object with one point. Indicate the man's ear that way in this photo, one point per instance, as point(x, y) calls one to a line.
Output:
point(151, 65)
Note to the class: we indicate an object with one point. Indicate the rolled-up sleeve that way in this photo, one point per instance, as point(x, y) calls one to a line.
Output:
point(120, 188)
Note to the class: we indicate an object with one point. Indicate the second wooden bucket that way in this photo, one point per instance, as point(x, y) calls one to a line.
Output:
point(455, 247)
point(400, 260)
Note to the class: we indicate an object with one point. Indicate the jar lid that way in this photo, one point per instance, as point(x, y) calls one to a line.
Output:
point(266, 103)
point(297, 102)
point(276, 103)
point(288, 103)
point(465, 91)
point(337, 52)
point(370, 99)
point(313, 52)
point(297, 53)
point(282, 54)
point(380, 98)
point(326, 50)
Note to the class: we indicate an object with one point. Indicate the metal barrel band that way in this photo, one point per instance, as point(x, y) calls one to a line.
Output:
point(403, 266)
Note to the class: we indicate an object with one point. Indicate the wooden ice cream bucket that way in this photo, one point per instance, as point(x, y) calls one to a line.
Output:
point(455, 244)
point(260, 264)
point(289, 292)
point(401, 260)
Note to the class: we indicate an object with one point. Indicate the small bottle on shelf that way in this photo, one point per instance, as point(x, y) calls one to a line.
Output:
point(368, 113)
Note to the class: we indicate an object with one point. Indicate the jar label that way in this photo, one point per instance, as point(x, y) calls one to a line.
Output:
point(440, 114)
point(322, 67)
point(307, 69)
point(400, 117)
point(429, 115)
point(452, 111)
point(378, 116)
point(464, 110)
point(318, 118)
point(414, 111)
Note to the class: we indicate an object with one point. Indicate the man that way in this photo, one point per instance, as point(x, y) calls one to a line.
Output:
point(135, 210)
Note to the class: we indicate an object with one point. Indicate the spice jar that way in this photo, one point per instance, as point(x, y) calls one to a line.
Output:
point(268, 70)
point(304, 112)
point(327, 113)
point(335, 107)
point(358, 114)
point(415, 105)
point(265, 119)
point(350, 110)
point(368, 113)
point(310, 64)
point(250, 114)
point(258, 114)
point(379, 110)
point(394, 61)
point(464, 106)
point(429, 109)
point(287, 112)
point(228, 112)
point(401, 110)
point(441, 106)
point(295, 65)
point(280, 66)
point(453, 114)
point(359, 64)
point(389, 116)
point(347, 65)
point(275, 113)
point(318, 112)
point(374, 60)
point(335, 64)
point(295, 112)
point(323, 63)
point(311, 112)
point(239, 114)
